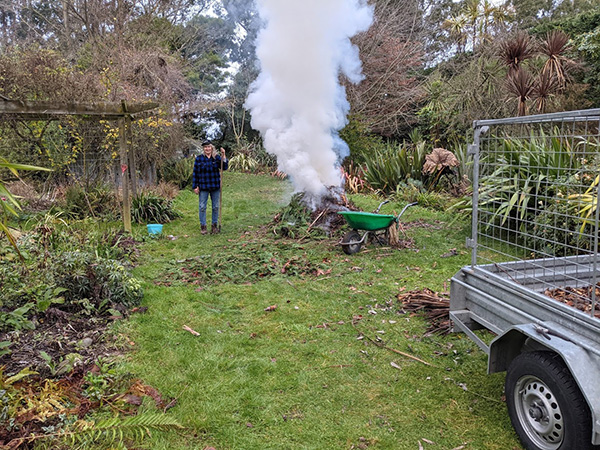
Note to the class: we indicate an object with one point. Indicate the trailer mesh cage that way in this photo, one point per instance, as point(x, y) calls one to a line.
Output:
point(535, 203)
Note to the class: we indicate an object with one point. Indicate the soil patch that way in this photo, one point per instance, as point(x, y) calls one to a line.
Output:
point(60, 342)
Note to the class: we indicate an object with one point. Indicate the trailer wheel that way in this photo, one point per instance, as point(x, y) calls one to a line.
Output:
point(545, 405)
point(352, 242)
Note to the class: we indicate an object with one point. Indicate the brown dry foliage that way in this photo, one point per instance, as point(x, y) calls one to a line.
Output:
point(391, 52)
point(40, 74)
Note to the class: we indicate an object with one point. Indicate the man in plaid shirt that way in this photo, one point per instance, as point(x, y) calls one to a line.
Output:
point(206, 181)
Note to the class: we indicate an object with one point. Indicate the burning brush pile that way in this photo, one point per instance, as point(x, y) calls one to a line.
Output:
point(310, 215)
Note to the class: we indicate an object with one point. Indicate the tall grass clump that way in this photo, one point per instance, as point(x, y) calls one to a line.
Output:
point(148, 207)
point(251, 157)
point(97, 201)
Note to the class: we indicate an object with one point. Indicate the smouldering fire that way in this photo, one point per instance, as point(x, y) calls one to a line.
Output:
point(297, 102)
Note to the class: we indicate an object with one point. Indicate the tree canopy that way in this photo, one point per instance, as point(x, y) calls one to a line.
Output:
point(434, 65)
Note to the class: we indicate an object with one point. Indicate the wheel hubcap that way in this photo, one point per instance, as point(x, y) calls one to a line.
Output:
point(539, 413)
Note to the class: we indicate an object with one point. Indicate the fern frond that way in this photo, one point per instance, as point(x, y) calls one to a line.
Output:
point(113, 431)
point(118, 428)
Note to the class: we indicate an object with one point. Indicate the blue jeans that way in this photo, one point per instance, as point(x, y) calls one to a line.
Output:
point(214, 199)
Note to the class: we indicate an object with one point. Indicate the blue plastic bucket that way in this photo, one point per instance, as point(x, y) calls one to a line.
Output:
point(154, 228)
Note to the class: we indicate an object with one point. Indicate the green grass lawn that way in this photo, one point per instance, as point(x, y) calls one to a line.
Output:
point(306, 374)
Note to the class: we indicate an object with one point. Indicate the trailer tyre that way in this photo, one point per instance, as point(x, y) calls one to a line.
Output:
point(545, 404)
point(352, 242)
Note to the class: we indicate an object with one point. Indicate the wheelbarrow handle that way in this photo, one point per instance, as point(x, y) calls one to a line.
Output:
point(380, 205)
point(404, 209)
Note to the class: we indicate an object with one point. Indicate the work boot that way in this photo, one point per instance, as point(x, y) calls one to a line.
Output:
point(203, 229)
point(214, 229)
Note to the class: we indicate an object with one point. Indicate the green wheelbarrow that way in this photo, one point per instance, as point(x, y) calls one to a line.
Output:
point(374, 225)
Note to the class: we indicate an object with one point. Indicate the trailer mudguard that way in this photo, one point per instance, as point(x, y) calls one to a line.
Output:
point(582, 360)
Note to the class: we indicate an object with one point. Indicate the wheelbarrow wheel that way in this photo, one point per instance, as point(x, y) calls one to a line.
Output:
point(352, 241)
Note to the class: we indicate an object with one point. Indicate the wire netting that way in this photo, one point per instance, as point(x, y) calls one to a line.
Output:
point(77, 149)
point(535, 209)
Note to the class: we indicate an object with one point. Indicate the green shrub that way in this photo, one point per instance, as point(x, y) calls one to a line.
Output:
point(65, 269)
point(389, 165)
point(95, 201)
point(360, 141)
point(556, 232)
point(178, 172)
point(266, 161)
point(525, 172)
point(148, 207)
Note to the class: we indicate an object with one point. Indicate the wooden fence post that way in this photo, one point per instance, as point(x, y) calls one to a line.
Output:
point(124, 175)
point(131, 155)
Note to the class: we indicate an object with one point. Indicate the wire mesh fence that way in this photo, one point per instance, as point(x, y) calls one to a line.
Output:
point(77, 150)
point(535, 214)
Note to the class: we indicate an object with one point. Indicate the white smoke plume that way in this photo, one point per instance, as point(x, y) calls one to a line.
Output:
point(297, 102)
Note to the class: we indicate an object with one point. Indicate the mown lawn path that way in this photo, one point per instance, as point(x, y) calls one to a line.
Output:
point(306, 373)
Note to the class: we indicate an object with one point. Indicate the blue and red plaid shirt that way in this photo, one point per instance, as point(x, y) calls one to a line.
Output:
point(207, 175)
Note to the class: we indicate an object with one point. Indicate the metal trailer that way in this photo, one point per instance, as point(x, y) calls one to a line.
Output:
point(535, 225)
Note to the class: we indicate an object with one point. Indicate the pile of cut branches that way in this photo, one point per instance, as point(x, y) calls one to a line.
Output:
point(435, 307)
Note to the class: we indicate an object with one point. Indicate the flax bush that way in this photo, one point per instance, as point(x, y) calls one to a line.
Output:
point(148, 207)
point(390, 165)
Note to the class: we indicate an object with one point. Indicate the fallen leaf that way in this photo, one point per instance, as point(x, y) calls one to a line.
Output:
point(395, 366)
point(271, 308)
point(195, 333)
point(133, 399)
